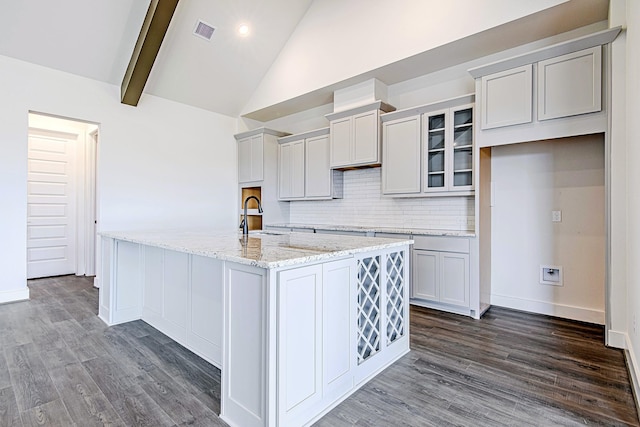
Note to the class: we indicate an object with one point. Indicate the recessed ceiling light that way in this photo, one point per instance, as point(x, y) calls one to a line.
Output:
point(243, 30)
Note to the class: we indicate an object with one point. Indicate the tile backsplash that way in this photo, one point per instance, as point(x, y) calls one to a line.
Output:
point(364, 205)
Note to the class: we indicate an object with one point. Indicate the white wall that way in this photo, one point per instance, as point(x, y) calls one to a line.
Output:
point(159, 164)
point(531, 180)
point(350, 38)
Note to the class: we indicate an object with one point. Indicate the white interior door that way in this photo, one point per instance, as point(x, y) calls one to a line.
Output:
point(51, 203)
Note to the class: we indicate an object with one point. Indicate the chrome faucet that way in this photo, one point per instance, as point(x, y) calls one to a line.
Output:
point(245, 224)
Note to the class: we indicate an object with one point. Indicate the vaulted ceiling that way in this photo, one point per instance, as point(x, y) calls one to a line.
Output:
point(95, 39)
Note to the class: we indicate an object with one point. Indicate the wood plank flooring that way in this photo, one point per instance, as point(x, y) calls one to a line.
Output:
point(61, 366)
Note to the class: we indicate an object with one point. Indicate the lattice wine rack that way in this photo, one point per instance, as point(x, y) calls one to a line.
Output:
point(372, 297)
point(368, 307)
point(395, 300)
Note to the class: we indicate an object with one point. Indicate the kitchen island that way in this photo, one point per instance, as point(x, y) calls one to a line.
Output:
point(296, 322)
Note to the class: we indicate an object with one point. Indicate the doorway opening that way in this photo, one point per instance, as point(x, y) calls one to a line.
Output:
point(61, 196)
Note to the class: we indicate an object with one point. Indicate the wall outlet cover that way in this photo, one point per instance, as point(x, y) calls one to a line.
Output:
point(556, 216)
point(551, 275)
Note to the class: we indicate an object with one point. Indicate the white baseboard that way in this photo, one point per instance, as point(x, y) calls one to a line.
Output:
point(14, 295)
point(96, 282)
point(617, 339)
point(634, 369)
point(550, 309)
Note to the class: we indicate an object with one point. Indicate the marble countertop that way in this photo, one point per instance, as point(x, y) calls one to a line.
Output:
point(392, 230)
point(263, 249)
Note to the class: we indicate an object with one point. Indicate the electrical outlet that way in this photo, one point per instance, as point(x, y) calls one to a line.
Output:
point(556, 216)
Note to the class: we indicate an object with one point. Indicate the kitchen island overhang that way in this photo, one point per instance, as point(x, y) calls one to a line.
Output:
point(295, 321)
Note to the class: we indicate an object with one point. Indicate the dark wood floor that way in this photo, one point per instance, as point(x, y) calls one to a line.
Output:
point(60, 366)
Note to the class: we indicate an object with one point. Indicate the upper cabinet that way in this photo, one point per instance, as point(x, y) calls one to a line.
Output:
point(251, 153)
point(428, 150)
point(448, 150)
point(401, 144)
point(355, 136)
point(567, 85)
point(303, 168)
point(549, 93)
point(250, 159)
point(507, 97)
point(570, 84)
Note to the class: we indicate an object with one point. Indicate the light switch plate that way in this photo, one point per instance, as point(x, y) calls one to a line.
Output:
point(556, 216)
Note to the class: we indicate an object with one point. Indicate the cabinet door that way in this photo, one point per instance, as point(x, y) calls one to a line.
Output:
point(454, 279)
point(426, 275)
point(366, 138)
point(244, 160)
point(284, 171)
point(250, 159)
point(401, 154)
point(437, 151)
point(507, 97)
point(461, 154)
point(299, 343)
point(570, 84)
point(340, 139)
point(297, 169)
point(317, 178)
point(338, 328)
point(291, 170)
point(257, 158)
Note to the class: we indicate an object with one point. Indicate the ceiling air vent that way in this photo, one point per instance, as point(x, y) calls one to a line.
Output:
point(203, 30)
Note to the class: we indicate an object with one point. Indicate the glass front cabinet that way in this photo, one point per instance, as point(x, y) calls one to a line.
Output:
point(448, 150)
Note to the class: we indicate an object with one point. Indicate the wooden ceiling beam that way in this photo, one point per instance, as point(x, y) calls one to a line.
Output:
point(144, 54)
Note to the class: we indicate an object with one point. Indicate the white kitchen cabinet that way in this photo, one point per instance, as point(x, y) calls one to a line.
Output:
point(454, 279)
point(303, 168)
point(317, 174)
point(428, 150)
point(401, 153)
point(316, 327)
point(570, 84)
point(441, 273)
point(448, 150)
point(253, 157)
point(549, 93)
point(507, 97)
point(566, 85)
point(426, 275)
point(300, 343)
point(291, 170)
point(250, 159)
point(338, 320)
point(355, 136)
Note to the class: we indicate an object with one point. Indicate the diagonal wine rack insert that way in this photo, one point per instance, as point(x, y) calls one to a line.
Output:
point(395, 301)
point(368, 310)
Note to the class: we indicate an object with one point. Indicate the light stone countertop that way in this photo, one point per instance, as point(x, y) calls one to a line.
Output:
point(367, 229)
point(264, 249)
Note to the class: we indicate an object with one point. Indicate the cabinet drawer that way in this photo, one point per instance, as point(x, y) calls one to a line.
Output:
point(441, 244)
